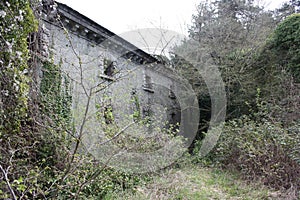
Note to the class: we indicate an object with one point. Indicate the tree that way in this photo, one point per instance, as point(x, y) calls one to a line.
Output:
point(276, 69)
point(229, 33)
point(285, 44)
point(288, 8)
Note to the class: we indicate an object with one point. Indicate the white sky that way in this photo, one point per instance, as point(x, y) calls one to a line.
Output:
point(121, 16)
point(125, 17)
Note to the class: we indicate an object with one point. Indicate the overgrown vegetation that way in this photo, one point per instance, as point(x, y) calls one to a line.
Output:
point(261, 148)
point(37, 135)
point(17, 21)
point(192, 182)
point(257, 52)
point(259, 62)
point(17, 142)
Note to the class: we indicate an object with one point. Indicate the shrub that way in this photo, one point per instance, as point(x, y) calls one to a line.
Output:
point(285, 44)
point(261, 150)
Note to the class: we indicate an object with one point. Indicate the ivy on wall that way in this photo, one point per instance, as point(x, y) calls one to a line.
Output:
point(31, 139)
point(16, 22)
point(55, 94)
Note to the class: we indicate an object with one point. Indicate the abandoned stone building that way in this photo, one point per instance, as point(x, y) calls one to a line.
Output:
point(108, 73)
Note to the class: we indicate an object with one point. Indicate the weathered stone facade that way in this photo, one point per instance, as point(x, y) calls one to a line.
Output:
point(108, 72)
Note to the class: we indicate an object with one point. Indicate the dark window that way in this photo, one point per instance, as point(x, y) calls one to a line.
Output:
point(171, 93)
point(109, 67)
point(136, 105)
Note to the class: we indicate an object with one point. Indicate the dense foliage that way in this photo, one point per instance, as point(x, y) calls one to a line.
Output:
point(37, 137)
point(261, 148)
point(256, 51)
point(284, 44)
point(17, 21)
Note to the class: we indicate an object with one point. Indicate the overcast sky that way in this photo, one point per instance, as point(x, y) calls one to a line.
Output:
point(121, 16)
point(125, 17)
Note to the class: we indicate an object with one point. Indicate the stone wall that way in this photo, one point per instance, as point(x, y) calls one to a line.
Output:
point(138, 88)
point(139, 84)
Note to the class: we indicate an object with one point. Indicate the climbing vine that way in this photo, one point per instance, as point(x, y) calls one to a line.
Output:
point(16, 22)
point(55, 94)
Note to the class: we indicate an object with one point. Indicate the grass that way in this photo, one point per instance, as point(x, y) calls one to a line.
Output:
point(196, 183)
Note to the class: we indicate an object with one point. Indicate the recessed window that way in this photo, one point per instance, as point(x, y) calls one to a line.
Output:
point(109, 67)
point(171, 93)
point(135, 106)
point(148, 86)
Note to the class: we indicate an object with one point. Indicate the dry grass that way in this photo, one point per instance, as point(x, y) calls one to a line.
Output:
point(197, 183)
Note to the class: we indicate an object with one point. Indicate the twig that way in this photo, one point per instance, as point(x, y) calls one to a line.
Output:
point(7, 182)
point(119, 133)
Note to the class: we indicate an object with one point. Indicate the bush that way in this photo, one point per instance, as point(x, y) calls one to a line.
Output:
point(261, 150)
point(92, 180)
point(285, 44)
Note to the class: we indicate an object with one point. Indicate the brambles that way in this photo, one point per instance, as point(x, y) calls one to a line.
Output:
point(261, 148)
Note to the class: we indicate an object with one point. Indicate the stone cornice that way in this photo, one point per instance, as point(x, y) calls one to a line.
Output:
point(88, 29)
